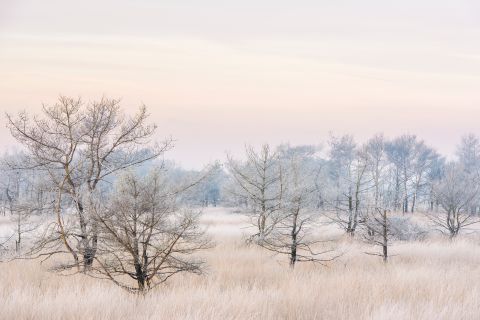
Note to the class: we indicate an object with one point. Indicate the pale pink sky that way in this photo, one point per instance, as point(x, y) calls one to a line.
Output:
point(218, 74)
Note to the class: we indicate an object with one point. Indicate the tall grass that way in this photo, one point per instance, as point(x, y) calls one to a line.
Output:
point(435, 279)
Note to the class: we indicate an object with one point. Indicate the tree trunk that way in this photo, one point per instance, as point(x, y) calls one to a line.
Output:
point(140, 275)
point(293, 253)
point(87, 250)
point(414, 199)
point(385, 236)
point(293, 248)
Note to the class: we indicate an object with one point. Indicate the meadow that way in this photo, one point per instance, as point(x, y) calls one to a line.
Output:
point(431, 279)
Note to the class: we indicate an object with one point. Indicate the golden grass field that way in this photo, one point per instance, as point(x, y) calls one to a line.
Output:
point(434, 279)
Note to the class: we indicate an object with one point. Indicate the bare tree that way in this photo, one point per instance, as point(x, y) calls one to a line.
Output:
point(378, 231)
point(352, 183)
point(376, 158)
point(144, 238)
point(455, 194)
point(412, 161)
point(292, 234)
point(26, 200)
point(79, 145)
point(423, 164)
point(435, 174)
point(11, 185)
point(22, 217)
point(260, 180)
point(400, 153)
point(468, 153)
point(208, 191)
point(383, 227)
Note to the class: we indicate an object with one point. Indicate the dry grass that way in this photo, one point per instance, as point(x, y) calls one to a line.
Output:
point(429, 280)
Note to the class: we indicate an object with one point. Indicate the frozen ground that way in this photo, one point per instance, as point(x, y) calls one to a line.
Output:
point(434, 279)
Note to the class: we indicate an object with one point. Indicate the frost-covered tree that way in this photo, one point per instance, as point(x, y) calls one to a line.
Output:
point(377, 164)
point(27, 198)
point(379, 231)
point(209, 191)
point(400, 153)
point(383, 227)
point(412, 161)
point(455, 193)
point(144, 238)
point(293, 234)
point(349, 174)
point(260, 180)
point(424, 162)
point(468, 153)
point(79, 146)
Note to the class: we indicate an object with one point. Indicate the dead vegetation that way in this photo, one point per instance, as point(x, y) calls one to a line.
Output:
point(431, 279)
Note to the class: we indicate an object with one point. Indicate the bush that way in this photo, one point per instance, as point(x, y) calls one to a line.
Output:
point(404, 229)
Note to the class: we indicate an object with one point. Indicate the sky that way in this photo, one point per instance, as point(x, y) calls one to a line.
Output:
point(217, 75)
